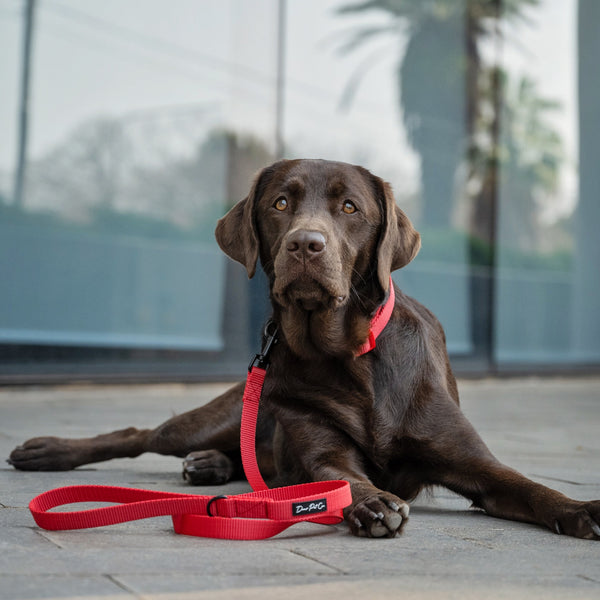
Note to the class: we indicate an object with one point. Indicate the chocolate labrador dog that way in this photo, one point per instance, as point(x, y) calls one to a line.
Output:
point(328, 235)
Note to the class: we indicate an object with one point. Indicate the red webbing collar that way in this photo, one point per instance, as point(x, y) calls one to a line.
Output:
point(379, 321)
point(256, 515)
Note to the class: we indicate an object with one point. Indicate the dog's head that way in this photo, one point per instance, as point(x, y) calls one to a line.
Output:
point(321, 229)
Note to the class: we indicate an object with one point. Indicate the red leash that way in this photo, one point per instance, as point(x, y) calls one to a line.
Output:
point(252, 516)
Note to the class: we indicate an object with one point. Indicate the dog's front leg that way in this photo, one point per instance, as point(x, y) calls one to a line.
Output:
point(373, 513)
point(330, 455)
point(51, 453)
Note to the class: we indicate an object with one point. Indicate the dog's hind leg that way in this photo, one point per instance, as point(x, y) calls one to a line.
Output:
point(215, 426)
point(50, 453)
point(453, 455)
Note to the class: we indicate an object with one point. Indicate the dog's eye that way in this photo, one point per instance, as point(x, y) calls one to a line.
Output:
point(281, 204)
point(349, 207)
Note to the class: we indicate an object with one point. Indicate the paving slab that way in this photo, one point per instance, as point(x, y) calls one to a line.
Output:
point(547, 428)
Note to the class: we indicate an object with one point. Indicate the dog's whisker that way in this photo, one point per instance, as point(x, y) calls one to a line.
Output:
point(359, 300)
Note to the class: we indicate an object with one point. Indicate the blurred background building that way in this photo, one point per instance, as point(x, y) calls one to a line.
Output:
point(129, 127)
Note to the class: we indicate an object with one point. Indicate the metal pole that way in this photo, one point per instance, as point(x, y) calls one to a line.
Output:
point(24, 103)
point(280, 86)
point(498, 100)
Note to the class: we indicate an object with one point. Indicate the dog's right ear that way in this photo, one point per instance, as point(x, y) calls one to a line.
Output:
point(236, 232)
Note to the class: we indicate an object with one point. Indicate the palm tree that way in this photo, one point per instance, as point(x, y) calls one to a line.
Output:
point(437, 80)
point(527, 156)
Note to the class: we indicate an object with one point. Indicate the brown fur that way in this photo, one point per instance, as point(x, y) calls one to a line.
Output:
point(389, 422)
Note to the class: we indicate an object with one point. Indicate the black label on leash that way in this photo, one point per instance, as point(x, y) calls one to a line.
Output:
point(309, 508)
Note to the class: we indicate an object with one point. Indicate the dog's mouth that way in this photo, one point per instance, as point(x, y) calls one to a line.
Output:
point(308, 294)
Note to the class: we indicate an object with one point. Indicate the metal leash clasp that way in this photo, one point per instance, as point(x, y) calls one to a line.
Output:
point(261, 360)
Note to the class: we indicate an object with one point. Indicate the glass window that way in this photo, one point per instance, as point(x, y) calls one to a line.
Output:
point(548, 249)
point(142, 124)
point(145, 126)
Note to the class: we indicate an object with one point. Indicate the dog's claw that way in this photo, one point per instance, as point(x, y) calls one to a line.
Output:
point(382, 515)
point(557, 528)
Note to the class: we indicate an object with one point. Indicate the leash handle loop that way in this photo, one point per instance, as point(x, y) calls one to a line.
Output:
point(252, 516)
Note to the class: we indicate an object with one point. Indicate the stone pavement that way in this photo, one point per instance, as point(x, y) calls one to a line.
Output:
point(547, 428)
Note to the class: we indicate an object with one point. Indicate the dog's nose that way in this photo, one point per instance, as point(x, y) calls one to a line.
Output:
point(304, 244)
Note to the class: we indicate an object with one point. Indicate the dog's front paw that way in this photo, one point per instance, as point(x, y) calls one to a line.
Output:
point(207, 467)
point(581, 519)
point(379, 515)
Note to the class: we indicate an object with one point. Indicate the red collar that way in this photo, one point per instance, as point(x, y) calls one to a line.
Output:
point(379, 321)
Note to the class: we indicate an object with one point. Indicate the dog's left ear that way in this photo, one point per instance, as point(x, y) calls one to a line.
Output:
point(399, 241)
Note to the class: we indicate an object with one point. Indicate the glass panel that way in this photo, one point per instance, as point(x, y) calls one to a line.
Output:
point(145, 127)
point(382, 84)
point(548, 248)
